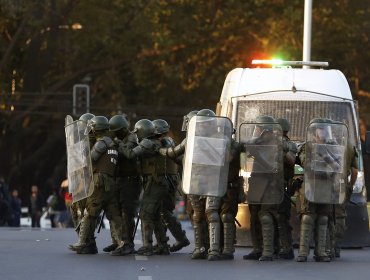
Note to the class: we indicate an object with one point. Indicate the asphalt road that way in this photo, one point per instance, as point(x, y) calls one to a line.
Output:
point(42, 254)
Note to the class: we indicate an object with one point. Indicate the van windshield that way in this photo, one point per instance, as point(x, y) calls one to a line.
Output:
point(299, 113)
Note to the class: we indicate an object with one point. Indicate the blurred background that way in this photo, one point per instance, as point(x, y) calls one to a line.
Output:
point(147, 59)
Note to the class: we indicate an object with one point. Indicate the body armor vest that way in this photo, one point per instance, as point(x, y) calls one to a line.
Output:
point(107, 162)
point(127, 167)
point(158, 164)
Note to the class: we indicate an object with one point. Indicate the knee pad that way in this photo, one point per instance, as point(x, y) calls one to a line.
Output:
point(227, 218)
point(322, 220)
point(213, 217)
point(307, 219)
point(213, 203)
point(266, 219)
point(198, 217)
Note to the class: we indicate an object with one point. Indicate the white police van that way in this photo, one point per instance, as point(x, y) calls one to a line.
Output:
point(281, 90)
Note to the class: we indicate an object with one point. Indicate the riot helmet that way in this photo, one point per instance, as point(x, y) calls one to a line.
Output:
point(321, 129)
point(118, 122)
point(186, 120)
point(144, 129)
point(99, 123)
point(263, 125)
point(206, 113)
point(86, 117)
point(161, 126)
point(284, 123)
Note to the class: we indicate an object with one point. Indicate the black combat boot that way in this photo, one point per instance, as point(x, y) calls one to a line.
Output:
point(229, 233)
point(110, 248)
point(254, 255)
point(89, 248)
point(123, 250)
point(286, 255)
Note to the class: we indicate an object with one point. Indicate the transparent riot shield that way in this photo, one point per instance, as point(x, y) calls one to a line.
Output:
point(206, 161)
point(262, 162)
point(79, 168)
point(325, 177)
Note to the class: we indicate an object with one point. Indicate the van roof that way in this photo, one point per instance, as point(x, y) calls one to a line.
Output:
point(289, 82)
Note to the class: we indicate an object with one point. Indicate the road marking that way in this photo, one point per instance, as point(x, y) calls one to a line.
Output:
point(145, 278)
point(141, 258)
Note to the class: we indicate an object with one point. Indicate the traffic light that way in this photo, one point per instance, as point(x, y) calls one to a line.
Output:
point(81, 99)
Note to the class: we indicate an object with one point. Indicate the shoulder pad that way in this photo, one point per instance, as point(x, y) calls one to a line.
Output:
point(167, 142)
point(293, 147)
point(147, 144)
point(108, 141)
point(132, 137)
point(100, 146)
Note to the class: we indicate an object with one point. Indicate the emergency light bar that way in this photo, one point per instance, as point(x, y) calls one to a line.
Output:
point(278, 62)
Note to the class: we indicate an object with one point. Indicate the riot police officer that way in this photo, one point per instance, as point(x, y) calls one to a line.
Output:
point(337, 223)
point(265, 185)
point(283, 218)
point(104, 197)
point(319, 184)
point(77, 208)
point(129, 184)
point(205, 208)
point(229, 202)
point(156, 187)
point(174, 226)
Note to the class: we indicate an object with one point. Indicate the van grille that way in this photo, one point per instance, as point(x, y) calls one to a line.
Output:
point(299, 114)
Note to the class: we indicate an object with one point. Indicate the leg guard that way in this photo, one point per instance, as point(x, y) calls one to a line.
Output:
point(86, 245)
point(229, 233)
point(322, 226)
point(305, 237)
point(199, 250)
point(214, 238)
point(267, 224)
point(255, 228)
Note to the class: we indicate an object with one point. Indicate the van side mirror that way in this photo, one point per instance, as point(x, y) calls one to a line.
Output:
point(367, 142)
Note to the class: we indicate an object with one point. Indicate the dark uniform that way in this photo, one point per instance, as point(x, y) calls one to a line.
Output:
point(265, 188)
point(285, 240)
point(314, 215)
point(78, 208)
point(229, 202)
point(337, 221)
point(104, 156)
point(169, 201)
point(156, 186)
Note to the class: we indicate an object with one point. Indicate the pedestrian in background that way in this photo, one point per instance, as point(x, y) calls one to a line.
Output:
point(16, 208)
point(35, 206)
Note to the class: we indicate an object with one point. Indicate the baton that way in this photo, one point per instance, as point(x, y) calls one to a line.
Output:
point(237, 222)
point(136, 226)
point(101, 222)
